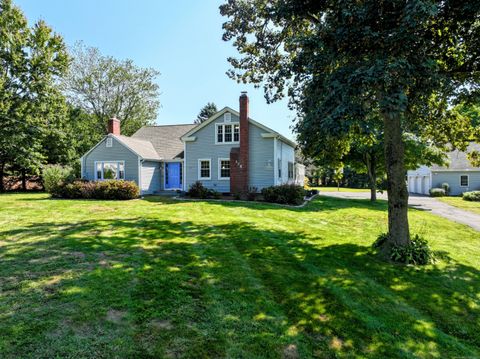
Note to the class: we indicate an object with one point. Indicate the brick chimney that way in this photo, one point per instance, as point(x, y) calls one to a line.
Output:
point(114, 126)
point(239, 156)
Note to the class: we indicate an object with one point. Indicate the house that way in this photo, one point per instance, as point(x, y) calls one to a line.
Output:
point(230, 152)
point(460, 174)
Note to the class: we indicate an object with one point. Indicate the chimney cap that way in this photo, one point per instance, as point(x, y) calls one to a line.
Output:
point(244, 93)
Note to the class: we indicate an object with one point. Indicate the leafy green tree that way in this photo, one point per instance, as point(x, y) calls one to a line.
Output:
point(104, 87)
point(206, 112)
point(32, 61)
point(338, 60)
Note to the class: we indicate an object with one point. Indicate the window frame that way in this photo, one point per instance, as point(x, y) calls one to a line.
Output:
point(468, 180)
point(199, 174)
point(232, 133)
point(290, 163)
point(103, 166)
point(220, 168)
point(279, 168)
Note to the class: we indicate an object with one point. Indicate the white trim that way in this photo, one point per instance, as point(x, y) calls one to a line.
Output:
point(275, 162)
point(81, 167)
point(110, 161)
point(91, 149)
point(205, 123)
point(140, 175)
point(468, 180)
point(223, 133)
point(189, 139)
point(219, 169)
point(184, 184)
point(199, 168)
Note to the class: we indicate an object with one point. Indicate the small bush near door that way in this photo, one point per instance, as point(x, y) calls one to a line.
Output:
point(198, 190)
point(284, 194)
point(437, 192)
point(472, 196)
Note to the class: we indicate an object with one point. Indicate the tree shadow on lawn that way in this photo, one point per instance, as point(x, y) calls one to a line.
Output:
point(147, 287)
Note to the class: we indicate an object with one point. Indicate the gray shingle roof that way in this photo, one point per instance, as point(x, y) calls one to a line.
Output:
point(143, 148)
point(458, 160)
point(164, 139)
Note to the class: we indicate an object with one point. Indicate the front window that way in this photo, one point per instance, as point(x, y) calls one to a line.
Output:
point(464, 181)
point(224, 166)
point(290, 170)
point(110, 170)
point(204, 169)
point(228, 133)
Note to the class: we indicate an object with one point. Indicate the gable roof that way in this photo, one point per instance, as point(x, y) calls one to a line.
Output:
point(236, 113)
point(165, 140)
point(458, 160)
point(141, 148)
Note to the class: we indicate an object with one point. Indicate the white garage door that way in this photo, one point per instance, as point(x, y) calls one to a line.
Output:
point(426, 184)
point(411, 184)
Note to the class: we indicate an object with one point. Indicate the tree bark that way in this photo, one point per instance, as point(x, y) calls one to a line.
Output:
point(2, 175)
point(24, 180)
point(372, 176)
point(398, 228)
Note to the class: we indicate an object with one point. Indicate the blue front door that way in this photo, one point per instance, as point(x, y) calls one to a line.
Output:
point(173, 175)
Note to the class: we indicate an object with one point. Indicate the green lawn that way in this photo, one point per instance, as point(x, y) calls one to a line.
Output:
point(460, 203)
point(341, 189)
point(160, 278)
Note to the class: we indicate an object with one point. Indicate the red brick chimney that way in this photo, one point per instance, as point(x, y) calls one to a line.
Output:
point(239, 156)
point(114, 126)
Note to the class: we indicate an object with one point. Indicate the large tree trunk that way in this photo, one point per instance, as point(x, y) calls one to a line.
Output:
point(2, 175)
point(24, 180)
point(398, 228)
point(372, 176)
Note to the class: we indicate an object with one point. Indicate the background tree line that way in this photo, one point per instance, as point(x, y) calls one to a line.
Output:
point(55, 102)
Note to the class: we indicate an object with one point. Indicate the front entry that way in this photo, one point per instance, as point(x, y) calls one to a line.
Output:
point(173, 175)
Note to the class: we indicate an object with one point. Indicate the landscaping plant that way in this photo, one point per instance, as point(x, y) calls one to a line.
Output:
point(472, 196)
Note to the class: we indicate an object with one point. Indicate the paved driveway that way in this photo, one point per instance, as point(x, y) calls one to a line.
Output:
point(424, 203)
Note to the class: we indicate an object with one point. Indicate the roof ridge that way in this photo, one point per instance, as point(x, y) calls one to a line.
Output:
point(180, 124)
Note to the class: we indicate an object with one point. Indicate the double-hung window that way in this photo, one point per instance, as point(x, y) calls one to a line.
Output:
point(204, 168)
point(290, 170)
point(228, 133)
point(464, 180)
point(105, 170)
point(223, 168)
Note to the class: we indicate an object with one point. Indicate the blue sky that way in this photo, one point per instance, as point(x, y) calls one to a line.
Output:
point(181, 39)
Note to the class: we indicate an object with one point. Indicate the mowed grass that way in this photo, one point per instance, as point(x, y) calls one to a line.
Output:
point(158, 278)
point(341, 189)
point(460, 203)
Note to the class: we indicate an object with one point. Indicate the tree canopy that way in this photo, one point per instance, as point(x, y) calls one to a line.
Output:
point(32, 59)
point(206, 112)
point(339, 61)
point(104, 87)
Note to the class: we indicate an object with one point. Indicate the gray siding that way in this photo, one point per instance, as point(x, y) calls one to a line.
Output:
point(118, 152)
point(204, 147)
point(453, 179)
point(151, 177)
point(260, 161)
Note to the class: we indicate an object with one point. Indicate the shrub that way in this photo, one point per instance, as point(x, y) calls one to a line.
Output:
point(284, 194)
point(417, 252)
point(437, 192)
point(56, 176)
point(198, 190)
point(472, 196)
point(446, 188)
point(249, 195)
point(111, 189)
point(381, 239)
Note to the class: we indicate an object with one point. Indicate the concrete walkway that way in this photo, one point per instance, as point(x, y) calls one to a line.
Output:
point(424, 203)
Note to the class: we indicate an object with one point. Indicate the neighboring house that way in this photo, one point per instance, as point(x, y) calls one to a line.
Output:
point(460, 174)
point(229, 153)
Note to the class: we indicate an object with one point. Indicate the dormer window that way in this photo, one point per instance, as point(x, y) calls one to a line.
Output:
point(228, 133)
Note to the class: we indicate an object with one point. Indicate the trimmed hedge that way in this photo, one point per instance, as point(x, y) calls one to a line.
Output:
point(284, 194)
point(472, 196)
point(437, 192)
point(110, 189)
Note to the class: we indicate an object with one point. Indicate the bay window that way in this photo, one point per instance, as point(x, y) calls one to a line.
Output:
point(105, 170)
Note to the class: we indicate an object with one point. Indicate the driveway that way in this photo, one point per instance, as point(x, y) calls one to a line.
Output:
point(424, 203)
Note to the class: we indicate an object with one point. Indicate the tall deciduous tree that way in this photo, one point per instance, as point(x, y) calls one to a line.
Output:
point(338, 59)
point(206, 112)
point(105, 87)
point(31, 104)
